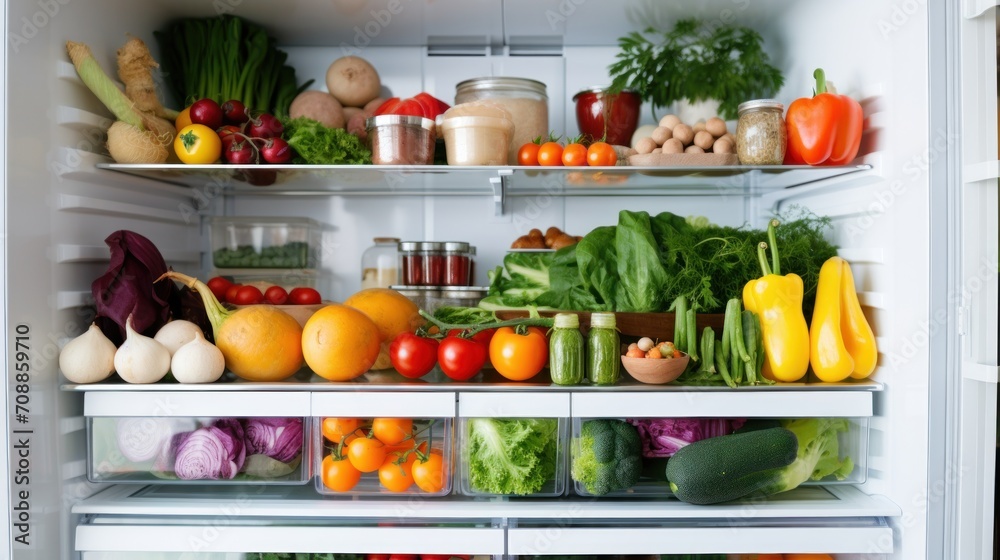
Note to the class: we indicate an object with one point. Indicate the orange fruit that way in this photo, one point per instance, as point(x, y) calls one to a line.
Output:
point(392, 312)
point(340, 343)
point(261, 343)
point(183, 119)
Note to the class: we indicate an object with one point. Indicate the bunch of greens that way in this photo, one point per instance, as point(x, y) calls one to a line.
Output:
point(321, 145)
point(225, 58)
point(515, 456)
point(696, 61)
point(646, 262)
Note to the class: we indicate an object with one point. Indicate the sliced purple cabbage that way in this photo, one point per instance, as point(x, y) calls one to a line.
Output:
point(216, 452)
point(277, 438)
point(129, 287)
point(662, 437)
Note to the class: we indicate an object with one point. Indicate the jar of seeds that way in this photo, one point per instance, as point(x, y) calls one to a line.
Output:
point(760, 133)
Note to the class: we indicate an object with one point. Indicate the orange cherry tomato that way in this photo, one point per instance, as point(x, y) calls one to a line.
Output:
point(574, 154)
point(334, 429)
point(550, 153)
point(601, 153)
point(366, 454)
point(392, 431)
point(519, 356)
point(339, 475)
point(396, 472)
point(528, 154)
point(429, 474)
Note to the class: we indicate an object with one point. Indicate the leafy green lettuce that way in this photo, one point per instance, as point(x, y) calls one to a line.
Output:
point(522, 279)
point(321, 145)
point(511, 455)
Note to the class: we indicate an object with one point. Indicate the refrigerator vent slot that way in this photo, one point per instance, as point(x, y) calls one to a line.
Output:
point(67, 253)
point(85, 122)
point(88, 205)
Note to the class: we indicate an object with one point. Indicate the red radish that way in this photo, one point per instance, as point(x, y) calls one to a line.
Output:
point(241, 153)
point(265, 126)
point(276, 295)
point(276, 150)
point(235, 111)
point(229, 134)
point(206, 112)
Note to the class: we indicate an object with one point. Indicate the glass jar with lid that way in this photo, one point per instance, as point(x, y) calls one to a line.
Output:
point(525, 99)
point(411, 263)
point(432, 257)
point(761, 133)
point(457, 263)
point(380, 263)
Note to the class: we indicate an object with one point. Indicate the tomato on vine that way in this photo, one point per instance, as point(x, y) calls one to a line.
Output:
point(550, 154)
point(601, 154)
point(366, 454)
point(519, 356)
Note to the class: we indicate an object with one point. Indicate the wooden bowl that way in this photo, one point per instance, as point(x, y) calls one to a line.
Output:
point(655, 372)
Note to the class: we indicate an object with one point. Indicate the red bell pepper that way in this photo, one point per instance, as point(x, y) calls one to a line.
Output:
point(824, 129)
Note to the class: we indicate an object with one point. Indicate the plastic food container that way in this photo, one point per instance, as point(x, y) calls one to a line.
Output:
point(399, 422)
point(401, 140)
point(246, 242)
point(477, 140)
point(264, 278)
point(526, 100)
point(482, 414)
point(162, 450)
point(430, 298)
point(852, 443)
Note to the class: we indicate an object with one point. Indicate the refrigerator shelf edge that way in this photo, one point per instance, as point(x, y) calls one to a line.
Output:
point(302, 502)
point(170, 404)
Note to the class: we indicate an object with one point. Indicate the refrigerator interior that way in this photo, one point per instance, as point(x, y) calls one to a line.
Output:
point(60, 208)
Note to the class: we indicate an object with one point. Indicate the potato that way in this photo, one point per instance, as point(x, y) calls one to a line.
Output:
point(551, 234)
point(670, 121)
point(716, 126)
point(563, 240)
point(673, 146)
point(535, 233)
point(703, 139)
point(645, 146)
point(525, 242)
point(353, 81)
point(374, 104)
point(684, 133)
point(318, 106)
point(661, 135)
point(356, 125)
point(692, 149)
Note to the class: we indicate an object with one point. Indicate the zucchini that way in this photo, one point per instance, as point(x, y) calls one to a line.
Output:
point(730, 467)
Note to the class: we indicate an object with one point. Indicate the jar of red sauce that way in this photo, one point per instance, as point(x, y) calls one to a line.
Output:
point(411, 263)
point(611, 117)
point(457, 263)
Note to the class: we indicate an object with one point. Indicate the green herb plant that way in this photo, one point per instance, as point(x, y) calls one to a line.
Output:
point(696, 61)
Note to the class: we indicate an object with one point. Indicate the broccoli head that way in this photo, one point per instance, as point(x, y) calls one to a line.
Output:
point(607, 456)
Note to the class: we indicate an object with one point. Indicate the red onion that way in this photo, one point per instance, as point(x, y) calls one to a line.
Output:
point(278, 438)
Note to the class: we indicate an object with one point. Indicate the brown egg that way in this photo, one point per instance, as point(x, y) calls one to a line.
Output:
point(661, 135)
point(722, 146)
point(716, 126)
point(698, 126)
point(670, 121)
point(703, 139)
point(692, 149)
point(645, 145)
point(673, 146)
point(684, 133)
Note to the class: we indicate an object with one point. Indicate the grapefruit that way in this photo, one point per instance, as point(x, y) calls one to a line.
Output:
point(261, 343)
point(392, 312)
point(340, 343)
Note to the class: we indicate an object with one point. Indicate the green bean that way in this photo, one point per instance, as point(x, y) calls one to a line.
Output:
point(680, 323)
point(692, 335)
point(720, 363)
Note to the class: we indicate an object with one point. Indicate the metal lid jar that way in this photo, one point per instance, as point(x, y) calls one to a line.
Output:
point(525, 99)
point(760, 133)
point(457, 263)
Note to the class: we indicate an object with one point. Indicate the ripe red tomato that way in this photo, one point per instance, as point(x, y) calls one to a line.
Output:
point(519, 357)
point(219, 285)
point(413, 356)
point(574, 154)
point(304, 296)
point(601, 153)
point(410, 107)
point(276, 295)
point(461, 358)
point(482, 337)
point(248, 295)
point(387, 106)
point(402, 557)
point(550, 153)
point(528, 154)
point(231, 292)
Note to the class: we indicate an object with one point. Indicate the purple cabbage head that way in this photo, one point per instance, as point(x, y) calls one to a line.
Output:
point(662, 437)
point(129, 287)
point(278, 438)
point(216, 452)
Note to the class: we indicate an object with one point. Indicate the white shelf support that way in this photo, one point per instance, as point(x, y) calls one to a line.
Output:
point(499, 186)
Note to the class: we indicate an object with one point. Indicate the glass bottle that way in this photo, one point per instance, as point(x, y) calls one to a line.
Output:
point(379, 263)
point(603, 350)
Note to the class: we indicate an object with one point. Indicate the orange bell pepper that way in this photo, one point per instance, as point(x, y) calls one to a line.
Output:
point(824, 129)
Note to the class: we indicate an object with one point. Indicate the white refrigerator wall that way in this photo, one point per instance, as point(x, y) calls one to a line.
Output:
point(59, 208)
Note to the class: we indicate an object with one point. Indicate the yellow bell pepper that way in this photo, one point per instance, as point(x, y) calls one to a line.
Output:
point(830, 359)
point(858, 336)
point(778, 301)
point(842, 343)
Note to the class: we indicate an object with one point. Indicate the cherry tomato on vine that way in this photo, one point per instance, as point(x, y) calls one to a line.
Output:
point(338, 474)
point(413, 356)
point(304, 296)
point(392, 431)
point(396, 473)
point(366, 454)
point(428, 472)
point(231, 292)
point(219, 286)
point(519, 356)
point(574, 154)
point(461, 358)
point(334, 429)
point(276, 295)
point(550, 153)
point(248, 295)
point(528, 154)
point(601, 153)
